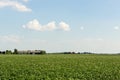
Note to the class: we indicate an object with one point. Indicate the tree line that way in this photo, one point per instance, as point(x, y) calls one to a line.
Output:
point(25, 52)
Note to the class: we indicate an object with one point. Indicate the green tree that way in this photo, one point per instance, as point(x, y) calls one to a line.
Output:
point(8, 52)
point(43, 52)
point(15, 51)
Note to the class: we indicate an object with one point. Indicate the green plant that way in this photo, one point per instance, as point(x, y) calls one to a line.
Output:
point(60, 67)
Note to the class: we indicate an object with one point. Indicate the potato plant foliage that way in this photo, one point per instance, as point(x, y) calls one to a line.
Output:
point(60, 67)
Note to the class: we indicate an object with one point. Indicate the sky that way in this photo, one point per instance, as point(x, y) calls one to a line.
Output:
point(60, 25)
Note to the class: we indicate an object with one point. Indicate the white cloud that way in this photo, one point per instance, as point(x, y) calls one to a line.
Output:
point(15, 5)
point(35, 25)
point(64, 26)
point(49, 27)
point(116, 27)
point(10, 38)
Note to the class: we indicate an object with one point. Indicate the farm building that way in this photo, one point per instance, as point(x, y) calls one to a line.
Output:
point(31, 52)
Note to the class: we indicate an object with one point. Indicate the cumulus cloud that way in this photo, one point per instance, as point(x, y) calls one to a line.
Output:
point(64, 26)
point(10, 38)
point(50, 26)
point(15, 5)
point(35, 25)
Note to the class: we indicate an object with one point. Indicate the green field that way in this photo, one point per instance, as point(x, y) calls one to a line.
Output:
point(60, 67)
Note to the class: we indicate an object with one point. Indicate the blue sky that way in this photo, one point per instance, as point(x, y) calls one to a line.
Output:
point(60, 25)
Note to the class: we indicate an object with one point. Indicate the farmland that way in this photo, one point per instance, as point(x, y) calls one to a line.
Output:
point(60, 67)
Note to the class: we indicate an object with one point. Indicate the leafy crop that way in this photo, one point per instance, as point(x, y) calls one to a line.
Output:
point(60, 67)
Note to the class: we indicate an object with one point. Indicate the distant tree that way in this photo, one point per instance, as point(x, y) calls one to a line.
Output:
point(15, 51)
point(73, 53)
point(79, 53)
point(87, 53)
point(3, 52)
point(67, 52)
point(43, 52)
point(8, 52)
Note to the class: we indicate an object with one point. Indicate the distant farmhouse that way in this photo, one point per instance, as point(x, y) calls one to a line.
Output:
point(31, 52)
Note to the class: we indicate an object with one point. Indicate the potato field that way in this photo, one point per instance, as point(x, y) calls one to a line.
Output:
point(60, 67)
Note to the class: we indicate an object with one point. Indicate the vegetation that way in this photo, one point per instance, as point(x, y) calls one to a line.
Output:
point(15, 51)
point(43, 52)
point(8, 52)
point(23, 52)
point(60, 67)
